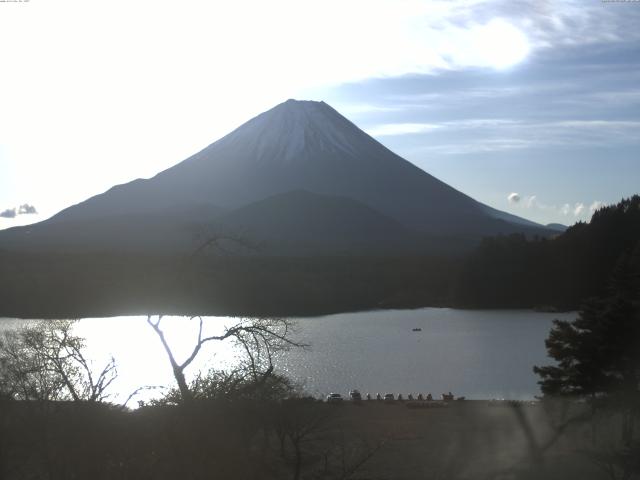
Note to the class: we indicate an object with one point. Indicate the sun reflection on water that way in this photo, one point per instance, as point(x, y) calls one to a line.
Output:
point(140, 355)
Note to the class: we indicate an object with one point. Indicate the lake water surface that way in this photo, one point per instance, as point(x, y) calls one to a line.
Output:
point(472, 353)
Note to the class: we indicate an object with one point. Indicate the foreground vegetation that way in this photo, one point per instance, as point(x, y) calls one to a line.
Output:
point(304, 439)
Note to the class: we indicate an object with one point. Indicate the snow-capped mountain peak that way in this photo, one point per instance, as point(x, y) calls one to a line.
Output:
point(287, 130)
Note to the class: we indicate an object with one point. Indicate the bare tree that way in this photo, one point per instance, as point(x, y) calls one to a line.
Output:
point(45, 361)
point(259, 338)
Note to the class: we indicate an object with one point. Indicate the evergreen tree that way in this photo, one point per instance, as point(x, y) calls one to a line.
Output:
point(598, 353)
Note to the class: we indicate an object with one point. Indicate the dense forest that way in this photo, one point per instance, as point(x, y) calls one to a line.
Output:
point(513, 271)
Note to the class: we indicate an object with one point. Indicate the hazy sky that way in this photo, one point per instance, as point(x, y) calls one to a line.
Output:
point(530, 107)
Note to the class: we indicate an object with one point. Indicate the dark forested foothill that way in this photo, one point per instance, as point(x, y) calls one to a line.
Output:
point(76, 285)
point(513, 271)
point(509, 271)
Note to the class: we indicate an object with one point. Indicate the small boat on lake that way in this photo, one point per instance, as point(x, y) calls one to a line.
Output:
point(416, 329)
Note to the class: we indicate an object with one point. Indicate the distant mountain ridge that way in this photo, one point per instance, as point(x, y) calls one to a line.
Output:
point(557, 226)
point(319, 182)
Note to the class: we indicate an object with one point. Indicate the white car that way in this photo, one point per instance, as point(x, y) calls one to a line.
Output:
point(334, 398)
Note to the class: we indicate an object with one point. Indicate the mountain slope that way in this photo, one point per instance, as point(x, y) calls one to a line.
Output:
point(173, 230)
point(297, 145)
point(301, 222)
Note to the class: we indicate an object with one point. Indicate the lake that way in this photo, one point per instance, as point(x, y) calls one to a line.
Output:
point(474, 353)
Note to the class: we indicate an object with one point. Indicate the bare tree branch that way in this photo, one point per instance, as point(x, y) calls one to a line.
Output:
point(45, 361)
point(257, 337)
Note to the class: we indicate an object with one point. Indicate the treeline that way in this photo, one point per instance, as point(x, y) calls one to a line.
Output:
point(80, 285)
point(516, 272)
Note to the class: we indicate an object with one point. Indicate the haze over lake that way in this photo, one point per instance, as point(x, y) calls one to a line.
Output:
point(473, 353)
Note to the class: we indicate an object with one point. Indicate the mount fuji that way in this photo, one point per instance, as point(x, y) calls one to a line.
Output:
point(299, 178)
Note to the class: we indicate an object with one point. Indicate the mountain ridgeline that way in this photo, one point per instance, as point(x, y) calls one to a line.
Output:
point(299, 179)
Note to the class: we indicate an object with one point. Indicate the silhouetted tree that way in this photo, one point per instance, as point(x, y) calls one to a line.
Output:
point(45, 361)
point(598, 353)
point(259, 338)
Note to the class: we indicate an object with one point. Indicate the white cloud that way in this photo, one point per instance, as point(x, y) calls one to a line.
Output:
point(8, 213)
point(513, 197)
point(474, 123)
point(12, 213)
point(531, 201)
point(554, 212)
point(497, 43)
point(478, 146)
point(363, 108)
point(499, 134)
point(390, 129)
point(26, 209)
point(578, 209)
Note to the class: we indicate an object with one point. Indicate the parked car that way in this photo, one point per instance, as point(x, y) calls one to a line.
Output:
point(389, 398)
point(355, 396)
point(334, 398)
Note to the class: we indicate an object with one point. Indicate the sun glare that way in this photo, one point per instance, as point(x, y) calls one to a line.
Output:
point(500, 44)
